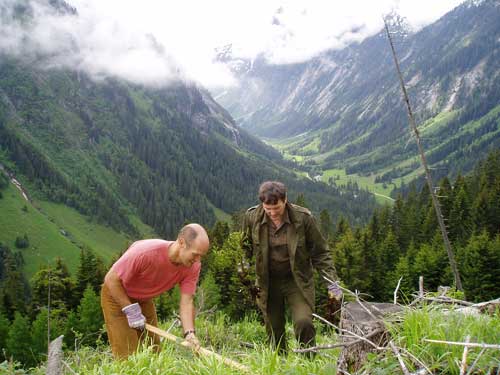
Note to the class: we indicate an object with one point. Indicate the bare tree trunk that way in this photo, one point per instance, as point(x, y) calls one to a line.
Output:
point(54, 363)
point(435, 202)
point(355, 318)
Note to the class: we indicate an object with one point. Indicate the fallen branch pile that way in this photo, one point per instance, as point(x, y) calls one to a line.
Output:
point(362, 330)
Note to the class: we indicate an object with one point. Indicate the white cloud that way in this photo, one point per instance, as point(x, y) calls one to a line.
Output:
point(153, 41)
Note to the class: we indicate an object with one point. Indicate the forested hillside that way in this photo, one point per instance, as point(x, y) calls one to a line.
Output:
point(111, 148)
point(400, 241)
point(100, 161)
point(404, 240)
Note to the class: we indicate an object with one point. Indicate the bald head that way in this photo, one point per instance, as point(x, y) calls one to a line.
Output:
point(194, 233)
point(192, 242)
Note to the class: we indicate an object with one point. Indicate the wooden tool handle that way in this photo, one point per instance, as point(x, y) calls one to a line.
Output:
point(206, 352)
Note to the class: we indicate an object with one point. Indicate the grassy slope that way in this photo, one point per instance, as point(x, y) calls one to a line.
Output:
point(44, 222)
point(366, 182)
point(226, 338)
point(46, 241)
point(219, 214)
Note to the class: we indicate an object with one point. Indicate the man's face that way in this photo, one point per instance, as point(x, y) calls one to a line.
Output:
point(194, 253)
point(275, 211)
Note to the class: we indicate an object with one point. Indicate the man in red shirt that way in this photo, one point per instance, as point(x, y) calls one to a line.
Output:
point(147, 269)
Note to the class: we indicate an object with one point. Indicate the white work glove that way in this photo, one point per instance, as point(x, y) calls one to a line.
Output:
point(334, 291)
point(134, 316)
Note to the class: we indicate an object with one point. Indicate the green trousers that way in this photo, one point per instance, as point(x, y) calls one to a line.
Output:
point(283, 290)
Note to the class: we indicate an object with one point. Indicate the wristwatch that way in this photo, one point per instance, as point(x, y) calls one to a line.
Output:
point(189, 331)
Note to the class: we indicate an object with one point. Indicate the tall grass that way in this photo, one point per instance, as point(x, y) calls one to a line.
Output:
point(233, 339)
point(447, 325)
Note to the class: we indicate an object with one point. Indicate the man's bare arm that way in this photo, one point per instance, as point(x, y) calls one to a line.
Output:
point(115, 286)
point(187, 312)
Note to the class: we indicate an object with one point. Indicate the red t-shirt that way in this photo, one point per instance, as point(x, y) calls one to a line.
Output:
point(146, 270)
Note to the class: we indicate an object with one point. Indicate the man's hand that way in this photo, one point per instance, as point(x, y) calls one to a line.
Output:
point(334, 291)
point(193, 340)
point(134, 316)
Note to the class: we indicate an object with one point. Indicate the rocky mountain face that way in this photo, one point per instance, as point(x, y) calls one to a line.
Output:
point(344, 108)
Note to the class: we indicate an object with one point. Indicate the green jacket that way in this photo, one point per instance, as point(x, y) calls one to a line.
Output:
point(306, 246)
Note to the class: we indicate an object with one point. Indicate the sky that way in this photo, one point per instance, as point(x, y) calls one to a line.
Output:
point(152, 42)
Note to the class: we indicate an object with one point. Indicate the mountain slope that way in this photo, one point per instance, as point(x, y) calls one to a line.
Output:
point(110, 149)
point(123, 157)
point(54, 230)
point(344, 108)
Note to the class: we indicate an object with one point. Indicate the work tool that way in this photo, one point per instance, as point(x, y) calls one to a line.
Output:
point(200, 351)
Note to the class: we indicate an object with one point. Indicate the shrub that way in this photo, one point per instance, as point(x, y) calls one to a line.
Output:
point(22, 242)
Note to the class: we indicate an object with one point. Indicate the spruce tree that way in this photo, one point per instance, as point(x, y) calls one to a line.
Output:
point(326, 225)
point(301, 200)
point(69, 329)
point(403, 271)
point(388, 253)
point(481, 211)
point(445, 197)
point(4, 331)
point(61, 288)
point(341, 228)
point(91, 319)
point(219, 233)
point(19, 341)
point(167, 303)
point(348, 260)
point(430, 224)
point(431, 262)
point(208, 293)
point(480, 263)
point(14, 287)
point(91, 270)
point(460, 217)
point(39, 335)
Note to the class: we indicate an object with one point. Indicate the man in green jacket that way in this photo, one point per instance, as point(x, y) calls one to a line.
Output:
point(286, 243)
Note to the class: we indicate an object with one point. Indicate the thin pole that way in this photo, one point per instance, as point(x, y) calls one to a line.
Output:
point(428, 177)
point(48, 314)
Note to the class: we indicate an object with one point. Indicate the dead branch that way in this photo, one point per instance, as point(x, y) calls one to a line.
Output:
point(69, 368)
point(361, 338)
point(356, 295)
point(469, 344)
point(424, 370)
point(400, 359)
point(464, 356)
point(445, 299)
point(338, 345)
point(176, 322)
point(421, 371)
point(440, 299)
point(323, 347)
point(396, 290)
point(475, 361)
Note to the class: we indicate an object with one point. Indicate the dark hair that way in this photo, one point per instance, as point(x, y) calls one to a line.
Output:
point(270, 192)
point(188, 233)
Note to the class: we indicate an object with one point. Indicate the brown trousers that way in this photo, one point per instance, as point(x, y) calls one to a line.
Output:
point(124, 340)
